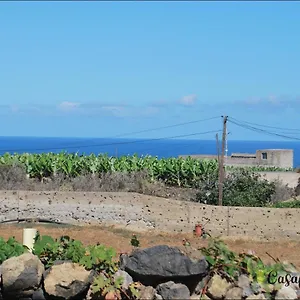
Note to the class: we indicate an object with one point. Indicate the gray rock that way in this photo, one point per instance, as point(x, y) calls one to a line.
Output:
point(256, 288)
point(200, 286)
point(164, 261)
point(67, 281)
point(171, 290)
point(147, 292)
point(38, 295)
point(234, 293)
point(286, 293)
point(259, 296)
point(296, 283)
point(218, 287)
point(158, 297)
point(197, 297)
point(21, 276)
point(159, 264)
point(244, 284)
point(127, 279)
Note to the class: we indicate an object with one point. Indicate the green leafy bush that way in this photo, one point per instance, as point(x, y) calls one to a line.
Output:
point(289, 204)
point(231, 265)
point(241, 188)
point(98, 258)
point(10, 248)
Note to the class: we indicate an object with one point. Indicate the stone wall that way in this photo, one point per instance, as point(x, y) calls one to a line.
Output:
point(142, 212)
point(156, 273)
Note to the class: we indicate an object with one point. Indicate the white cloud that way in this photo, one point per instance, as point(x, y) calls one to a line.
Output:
point(188, 100)
point(68, 106)
point(115, 110)
point(14, 108)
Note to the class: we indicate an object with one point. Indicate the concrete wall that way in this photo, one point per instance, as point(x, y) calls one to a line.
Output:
point(289, 178)
point(141, 212)
point(240, 161)
point(282, 158)
point(275, 157)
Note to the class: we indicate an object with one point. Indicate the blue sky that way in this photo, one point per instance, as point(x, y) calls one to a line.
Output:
point(100, 69)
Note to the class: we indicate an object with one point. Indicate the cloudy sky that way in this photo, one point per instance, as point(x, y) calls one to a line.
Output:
point(101, 69)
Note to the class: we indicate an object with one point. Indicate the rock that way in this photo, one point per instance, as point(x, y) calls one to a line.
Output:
point(294, 276)
point(21, 276)
point(147, 292)
point(256, 288)
point(171, 290)
point(259, 296)
point(197, 297)
point(200, 286)
point(159, 264)
point(38, 295)
point(244, 284)
point(234, 293)
point(286, 293)
point(218, 287)
point(67, 281)
point(127, 279)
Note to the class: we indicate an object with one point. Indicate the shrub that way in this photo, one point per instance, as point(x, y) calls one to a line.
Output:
point(288, 204)
point(12, 177)
point(282, 192)
point(241, 188)
point(297, 189)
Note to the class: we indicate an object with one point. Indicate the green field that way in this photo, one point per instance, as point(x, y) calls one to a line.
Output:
point(172, 171)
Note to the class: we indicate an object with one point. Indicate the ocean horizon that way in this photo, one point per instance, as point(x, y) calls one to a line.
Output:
point(154, 147)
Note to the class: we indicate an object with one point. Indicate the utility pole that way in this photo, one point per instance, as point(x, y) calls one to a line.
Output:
point(221, 168)
point(218, 149)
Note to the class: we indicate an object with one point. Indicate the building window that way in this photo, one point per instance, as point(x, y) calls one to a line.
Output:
point(264, 155)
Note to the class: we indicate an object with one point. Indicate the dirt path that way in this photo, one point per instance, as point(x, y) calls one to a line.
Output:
point(119, 238)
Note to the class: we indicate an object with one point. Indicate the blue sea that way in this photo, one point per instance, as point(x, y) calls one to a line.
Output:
point(154, 147)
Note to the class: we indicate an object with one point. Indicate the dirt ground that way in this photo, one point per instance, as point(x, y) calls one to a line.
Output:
point(119, 238)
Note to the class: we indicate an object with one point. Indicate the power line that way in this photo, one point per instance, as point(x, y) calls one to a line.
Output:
point(186, 145)
point(138, 132)
point(165, 127)
point(113, 144)
point(262, 130)
point(267, 126)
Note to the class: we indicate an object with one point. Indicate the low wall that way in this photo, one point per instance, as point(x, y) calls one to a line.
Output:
point(289, 178)
point(142, 212)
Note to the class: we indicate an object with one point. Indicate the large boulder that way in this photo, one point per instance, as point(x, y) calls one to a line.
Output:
point(21, 276)
point(67, 280)
point(159, 264)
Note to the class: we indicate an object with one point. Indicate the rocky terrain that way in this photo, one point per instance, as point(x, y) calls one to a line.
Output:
point(159, 272)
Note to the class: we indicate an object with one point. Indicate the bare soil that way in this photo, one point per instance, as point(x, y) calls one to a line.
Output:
point(119, 238)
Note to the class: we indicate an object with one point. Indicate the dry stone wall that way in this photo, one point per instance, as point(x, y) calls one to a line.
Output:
point(142, 212)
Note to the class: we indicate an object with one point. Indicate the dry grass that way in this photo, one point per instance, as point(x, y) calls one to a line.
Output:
point(14, 178)
point(119, 238)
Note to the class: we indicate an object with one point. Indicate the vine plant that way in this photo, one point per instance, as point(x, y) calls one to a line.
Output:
point(230, 265)
point(100, 259)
